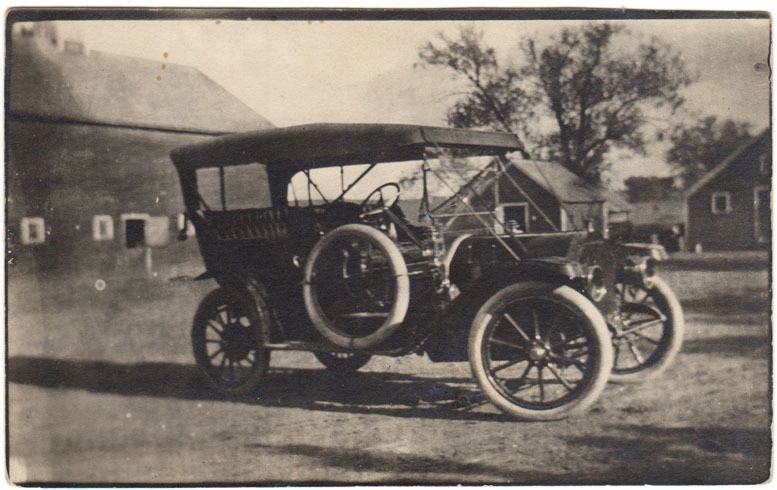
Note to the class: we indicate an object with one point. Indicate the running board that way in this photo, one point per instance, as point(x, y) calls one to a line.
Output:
point(297, 345)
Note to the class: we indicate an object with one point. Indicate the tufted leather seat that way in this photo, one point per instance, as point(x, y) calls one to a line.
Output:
point(249, 224)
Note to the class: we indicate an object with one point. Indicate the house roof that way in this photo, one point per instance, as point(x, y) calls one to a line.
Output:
point(725, 163)
point(50, 82)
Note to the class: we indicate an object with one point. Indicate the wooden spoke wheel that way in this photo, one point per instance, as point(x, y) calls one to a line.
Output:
point(540, 352)
point(649, 331)
point(226, 339)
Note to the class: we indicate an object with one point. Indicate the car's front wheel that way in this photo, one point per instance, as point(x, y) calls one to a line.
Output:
point(539, 351)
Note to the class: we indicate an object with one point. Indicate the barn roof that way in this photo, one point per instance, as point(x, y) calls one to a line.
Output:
point(66, 83)
point(558, 180)
point(726, 163)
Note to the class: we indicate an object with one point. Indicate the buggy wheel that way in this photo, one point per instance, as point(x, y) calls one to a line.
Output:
point(539, 351)
point(342, 362)
point(227, 343)
point(650, 333)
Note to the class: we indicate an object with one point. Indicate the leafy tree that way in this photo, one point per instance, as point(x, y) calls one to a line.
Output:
point(496, 99)
point(594, 95)
point(639, 189)
point(697, 148)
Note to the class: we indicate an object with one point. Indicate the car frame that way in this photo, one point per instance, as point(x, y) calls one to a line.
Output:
point(541, 318)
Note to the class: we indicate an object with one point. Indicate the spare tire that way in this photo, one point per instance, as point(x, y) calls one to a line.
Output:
point(356, 287)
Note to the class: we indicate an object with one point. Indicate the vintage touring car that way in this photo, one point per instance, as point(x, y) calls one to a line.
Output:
point(543, 319)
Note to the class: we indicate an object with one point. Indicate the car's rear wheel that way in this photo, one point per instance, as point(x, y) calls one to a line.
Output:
point(227, 343)
point(356, 287)
point(650, 332)
point(539, 351)
point(343, 362)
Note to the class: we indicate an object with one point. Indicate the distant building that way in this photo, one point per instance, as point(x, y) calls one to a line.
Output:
point(729, 208)
point(658, 221)
point(89, 178)
point(563, 200)
point(665, 212)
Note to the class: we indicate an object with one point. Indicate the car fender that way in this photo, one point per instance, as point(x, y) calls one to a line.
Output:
point(459, 267)
point(448, 343)
point(252, 289)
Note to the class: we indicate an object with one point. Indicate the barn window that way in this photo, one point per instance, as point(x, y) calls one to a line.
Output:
point(33, 231)
point(513, 216)
point(102, 227)
point(721, 203)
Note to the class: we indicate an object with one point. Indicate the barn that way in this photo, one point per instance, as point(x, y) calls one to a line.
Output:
point(533, 197)
point(730, 207)
point(90, 186)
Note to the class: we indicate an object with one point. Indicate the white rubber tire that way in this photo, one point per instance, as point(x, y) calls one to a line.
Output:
point(399, 306)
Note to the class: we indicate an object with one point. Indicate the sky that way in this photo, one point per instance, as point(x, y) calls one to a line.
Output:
point(295, 72)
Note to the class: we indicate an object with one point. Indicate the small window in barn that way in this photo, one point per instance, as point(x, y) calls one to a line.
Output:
point(102, 227)
point(513, 218)
point(763, 164)
point(721, 203)
point(134, 233)
point(33, 231)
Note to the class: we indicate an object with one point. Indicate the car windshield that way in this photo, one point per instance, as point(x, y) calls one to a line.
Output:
point(322, 185)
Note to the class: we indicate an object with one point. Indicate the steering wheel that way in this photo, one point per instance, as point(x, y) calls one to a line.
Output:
point(381, 204)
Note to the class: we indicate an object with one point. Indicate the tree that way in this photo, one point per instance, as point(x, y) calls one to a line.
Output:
point(595, 96)
point(495, 100)
point(696, 149)
point(640, 189)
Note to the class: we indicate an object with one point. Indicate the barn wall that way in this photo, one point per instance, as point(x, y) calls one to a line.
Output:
point(542, 198)
point(68, 173)
point(482, 202)
point(735, 230)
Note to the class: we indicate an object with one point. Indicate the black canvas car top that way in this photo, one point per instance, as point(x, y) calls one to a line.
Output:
point(321, 145)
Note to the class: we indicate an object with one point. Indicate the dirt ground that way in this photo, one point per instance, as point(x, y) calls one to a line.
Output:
point(102, 389)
